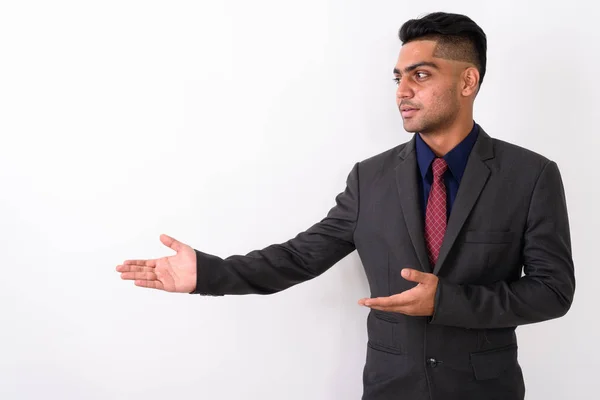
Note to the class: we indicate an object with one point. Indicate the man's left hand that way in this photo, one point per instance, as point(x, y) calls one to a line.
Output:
point(418, 301)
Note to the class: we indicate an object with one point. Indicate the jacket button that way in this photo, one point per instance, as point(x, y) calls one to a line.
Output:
point(432, 362)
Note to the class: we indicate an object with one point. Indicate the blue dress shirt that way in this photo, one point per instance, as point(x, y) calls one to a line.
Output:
point(457, 161)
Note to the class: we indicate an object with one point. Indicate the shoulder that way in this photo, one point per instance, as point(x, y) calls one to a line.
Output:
point(385, 159)
point(381, 166)
point(518, 164)
point(510, 151)
point(518, 161)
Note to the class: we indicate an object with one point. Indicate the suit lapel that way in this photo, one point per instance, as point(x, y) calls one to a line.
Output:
point(473, 181)
point(408, 189)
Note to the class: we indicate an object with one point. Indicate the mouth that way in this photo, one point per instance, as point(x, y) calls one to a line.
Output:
point(408, 112)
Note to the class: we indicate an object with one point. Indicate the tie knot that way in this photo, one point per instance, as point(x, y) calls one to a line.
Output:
point(439, 167)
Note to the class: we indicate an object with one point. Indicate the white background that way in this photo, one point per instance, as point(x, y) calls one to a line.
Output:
point(231, 125)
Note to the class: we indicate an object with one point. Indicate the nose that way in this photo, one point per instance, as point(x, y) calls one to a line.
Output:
point(404, 90)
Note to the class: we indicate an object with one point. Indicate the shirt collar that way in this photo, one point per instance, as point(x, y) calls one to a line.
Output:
point(456, 158)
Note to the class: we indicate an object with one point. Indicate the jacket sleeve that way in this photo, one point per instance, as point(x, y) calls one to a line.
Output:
point(546, 289)
point(280, 266)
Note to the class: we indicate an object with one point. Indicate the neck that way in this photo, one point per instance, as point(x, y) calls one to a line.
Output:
point(443, 140)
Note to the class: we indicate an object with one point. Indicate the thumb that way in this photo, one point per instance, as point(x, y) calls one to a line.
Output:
point(416, 276)
point(171, 242)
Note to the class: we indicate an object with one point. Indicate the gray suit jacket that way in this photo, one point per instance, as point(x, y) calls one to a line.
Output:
point(505, 261)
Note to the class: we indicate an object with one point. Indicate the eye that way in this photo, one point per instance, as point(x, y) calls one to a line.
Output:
point(422, 75)
point(397, 80)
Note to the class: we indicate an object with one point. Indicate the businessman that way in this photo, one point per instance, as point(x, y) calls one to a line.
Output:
point(463, 237)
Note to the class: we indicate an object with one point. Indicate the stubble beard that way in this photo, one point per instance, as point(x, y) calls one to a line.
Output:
point(432, 122)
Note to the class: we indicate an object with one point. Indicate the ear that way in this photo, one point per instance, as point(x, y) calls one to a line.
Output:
point(470, 82)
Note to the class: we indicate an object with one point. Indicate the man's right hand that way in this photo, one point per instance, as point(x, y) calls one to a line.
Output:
point(176, 273)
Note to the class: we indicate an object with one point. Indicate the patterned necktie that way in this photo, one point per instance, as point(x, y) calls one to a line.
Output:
point(435, 214)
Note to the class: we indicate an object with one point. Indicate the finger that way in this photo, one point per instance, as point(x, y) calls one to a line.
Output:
point(133, 268)
point(147, 276)
point(379, 302)
point(398, 300)
point(141, 263)
point(417, 276)
point(149, 284)
point(362, 302)
point(170, 242)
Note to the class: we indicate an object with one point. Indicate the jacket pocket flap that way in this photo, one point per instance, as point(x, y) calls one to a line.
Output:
point(490, 364)
point(381, 333)
point(489, 237)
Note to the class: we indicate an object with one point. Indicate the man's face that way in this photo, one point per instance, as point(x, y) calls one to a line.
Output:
point(428, 88)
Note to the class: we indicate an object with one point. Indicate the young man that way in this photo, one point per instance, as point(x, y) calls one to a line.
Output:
point(468, 214)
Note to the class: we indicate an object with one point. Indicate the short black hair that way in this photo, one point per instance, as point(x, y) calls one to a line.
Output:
point(458, 37)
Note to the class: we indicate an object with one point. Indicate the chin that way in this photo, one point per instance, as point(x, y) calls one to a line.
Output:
point(411, 127)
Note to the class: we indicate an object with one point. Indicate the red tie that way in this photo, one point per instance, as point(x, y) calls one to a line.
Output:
point(435, 215)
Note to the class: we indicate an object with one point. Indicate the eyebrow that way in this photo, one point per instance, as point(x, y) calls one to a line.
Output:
point(415, 66)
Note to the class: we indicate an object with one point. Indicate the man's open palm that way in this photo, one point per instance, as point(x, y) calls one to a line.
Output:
point(175, 273)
